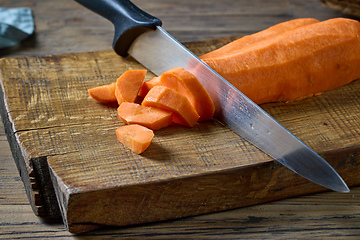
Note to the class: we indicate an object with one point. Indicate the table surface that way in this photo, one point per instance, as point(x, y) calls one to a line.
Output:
point(66, 27)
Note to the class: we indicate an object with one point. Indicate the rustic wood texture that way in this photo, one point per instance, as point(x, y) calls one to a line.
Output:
point(351, 7)
point(50, 117)
point(64, 27)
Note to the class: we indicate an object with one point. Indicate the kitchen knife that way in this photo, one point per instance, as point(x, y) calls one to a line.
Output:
point(139, 34)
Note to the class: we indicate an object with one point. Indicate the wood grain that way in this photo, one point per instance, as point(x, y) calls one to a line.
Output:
point(65, 27)
point(52, 121)
point(351, 7)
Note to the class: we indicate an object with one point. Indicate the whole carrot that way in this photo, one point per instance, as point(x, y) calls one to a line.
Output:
point(295, 64)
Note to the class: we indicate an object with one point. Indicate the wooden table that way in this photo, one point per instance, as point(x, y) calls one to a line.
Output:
point(66, 27)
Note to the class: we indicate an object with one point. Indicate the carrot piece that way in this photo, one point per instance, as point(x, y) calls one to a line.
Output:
point(299, 63)
point(166, 98)
point(128, 85)
point(135, 137)
point(188, 85)
point(270, 32)
point(105, 93)
point(150, 117)
point(146, 86)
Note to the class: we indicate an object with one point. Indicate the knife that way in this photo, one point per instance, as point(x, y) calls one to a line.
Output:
point(140, 35)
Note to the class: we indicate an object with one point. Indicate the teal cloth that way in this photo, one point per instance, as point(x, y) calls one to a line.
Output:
point(16, 24)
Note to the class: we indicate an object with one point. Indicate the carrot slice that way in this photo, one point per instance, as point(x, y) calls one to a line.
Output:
point(105, 93)
point(146, 86)
point(168, 99)
point(150, 117)
point(135, 137)
point(128, 85)
point(188, 85)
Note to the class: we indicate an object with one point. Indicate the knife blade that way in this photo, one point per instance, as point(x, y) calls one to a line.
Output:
point(140, 34)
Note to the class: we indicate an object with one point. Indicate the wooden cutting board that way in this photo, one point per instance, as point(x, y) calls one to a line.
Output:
point(72, 165)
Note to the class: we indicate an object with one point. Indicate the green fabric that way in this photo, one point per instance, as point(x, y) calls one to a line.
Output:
point(16, 24)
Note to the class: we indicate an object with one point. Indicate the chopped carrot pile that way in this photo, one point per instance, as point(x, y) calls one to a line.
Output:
point(175, 96)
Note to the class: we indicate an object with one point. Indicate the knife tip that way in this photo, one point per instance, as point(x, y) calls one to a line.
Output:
point(341, 187)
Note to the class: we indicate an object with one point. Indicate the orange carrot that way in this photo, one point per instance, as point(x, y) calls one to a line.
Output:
point(150, 117)
point(167, 99)
point(135, 137)
point(188, 85)
point(270, 32)
point(146, 86)
point(105, 93)
point(128, 85)
point(299, 63)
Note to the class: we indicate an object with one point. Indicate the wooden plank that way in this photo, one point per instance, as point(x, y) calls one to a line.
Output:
point(50, 119)
point(327, 216)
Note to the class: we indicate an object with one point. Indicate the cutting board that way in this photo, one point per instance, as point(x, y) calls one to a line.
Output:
point(72, 165)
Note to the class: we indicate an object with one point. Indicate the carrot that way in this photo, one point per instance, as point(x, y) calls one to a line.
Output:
point(146, 86)
point(259, 36)
point(188, 85)
point(128, 85)
point(167, 99)
point(105, 93)
point(135, 137)
point(150, 117)
point(296, 64)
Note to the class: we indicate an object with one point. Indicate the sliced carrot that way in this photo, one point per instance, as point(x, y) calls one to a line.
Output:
point(146, 86)
point(105, 93)
point(188, 85)
point(150, 117)
point(168, 99)
point(128, 85)
point(135, 137)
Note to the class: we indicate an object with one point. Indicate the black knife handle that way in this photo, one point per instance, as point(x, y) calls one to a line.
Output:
point(129, 21)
